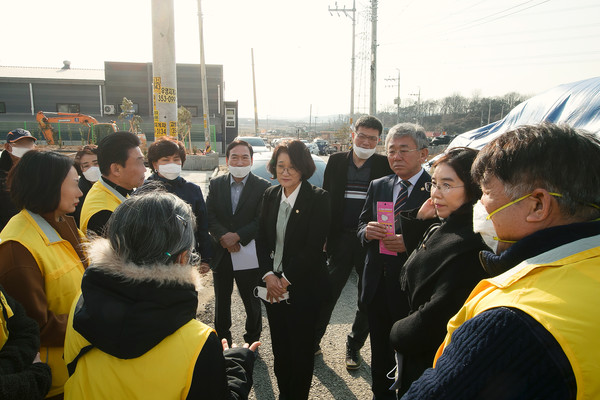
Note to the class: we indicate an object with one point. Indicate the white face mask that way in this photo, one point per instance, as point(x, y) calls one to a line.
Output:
point(170, 171)
point(484, 226)
point(19, 151)
point(92, 174)
point(363, 154)
point(240, 172)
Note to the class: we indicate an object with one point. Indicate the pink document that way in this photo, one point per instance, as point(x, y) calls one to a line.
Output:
point(385, 216)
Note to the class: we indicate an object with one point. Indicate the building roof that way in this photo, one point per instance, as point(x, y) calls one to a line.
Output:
point(29, 74)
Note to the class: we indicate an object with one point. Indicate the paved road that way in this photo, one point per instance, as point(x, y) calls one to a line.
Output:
point(331, 379)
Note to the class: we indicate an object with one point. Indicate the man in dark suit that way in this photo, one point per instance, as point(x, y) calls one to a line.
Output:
point(406, 146)
point(347, 178)
point(233, 205)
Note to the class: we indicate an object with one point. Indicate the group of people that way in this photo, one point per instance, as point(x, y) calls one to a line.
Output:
point(477, 279)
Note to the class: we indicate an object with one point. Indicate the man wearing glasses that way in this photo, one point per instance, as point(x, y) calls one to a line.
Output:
point(406, 146)
point(347, 177)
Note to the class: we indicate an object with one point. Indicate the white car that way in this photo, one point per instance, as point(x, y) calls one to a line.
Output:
point(313, 148)
point(258, 145)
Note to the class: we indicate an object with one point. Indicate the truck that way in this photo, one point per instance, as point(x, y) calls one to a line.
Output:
point(96, 129)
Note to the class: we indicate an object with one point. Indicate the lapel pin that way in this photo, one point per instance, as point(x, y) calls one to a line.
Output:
point(422, 189)
point(297, 211)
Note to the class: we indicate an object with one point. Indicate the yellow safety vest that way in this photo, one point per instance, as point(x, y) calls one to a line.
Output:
point(164, 372)
point(101, 197)
point(61, 269)
point(560, 290)
point(4, 309)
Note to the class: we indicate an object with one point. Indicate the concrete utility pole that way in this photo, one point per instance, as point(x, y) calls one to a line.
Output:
point(353, 18)
point(373, 98)
point(256, 131)
point(164, 75)
point(205, 110)
point(397, 100)
point(418, 94)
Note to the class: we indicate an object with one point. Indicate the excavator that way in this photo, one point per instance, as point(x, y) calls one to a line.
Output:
point(97, 130)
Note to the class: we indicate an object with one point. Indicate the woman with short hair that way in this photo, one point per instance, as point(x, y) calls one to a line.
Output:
point(439, 275)
point(41, 259)
point(166, 158)
point(294, 222)
point(133, 331)
point(86, 164)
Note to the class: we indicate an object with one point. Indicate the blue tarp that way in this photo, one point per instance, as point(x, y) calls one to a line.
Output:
point(576, 104)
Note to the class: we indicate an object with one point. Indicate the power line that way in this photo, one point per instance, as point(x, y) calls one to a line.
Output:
point(500, 17)
point(436, 35)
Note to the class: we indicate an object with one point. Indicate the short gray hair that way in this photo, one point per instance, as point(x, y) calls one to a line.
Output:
point(152, 228)
point(416, 132)
point(519, 159)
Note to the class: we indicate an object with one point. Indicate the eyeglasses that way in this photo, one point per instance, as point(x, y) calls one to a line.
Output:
point(403, 153)
point(444, 187)
point(372, 139)
point(289, 170)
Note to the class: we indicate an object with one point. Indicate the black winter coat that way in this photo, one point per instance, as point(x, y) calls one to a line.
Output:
point(437, 278)
point(191, 194)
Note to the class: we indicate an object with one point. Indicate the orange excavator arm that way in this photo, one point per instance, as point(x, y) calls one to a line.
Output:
point(45, 120)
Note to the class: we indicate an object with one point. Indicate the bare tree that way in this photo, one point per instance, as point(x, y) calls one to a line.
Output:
point(184, 126)
point(128, 114)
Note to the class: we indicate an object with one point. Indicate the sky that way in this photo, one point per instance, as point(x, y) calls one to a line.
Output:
point(302, 52)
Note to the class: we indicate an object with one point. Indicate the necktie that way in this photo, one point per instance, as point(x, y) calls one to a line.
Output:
point(282, 219)
point(400, 202)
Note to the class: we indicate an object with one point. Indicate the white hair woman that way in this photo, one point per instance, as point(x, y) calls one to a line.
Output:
point(133, 332)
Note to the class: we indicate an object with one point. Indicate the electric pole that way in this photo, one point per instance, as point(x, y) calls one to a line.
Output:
point(418, 104)
point(203, 82)
point(164, 70)
point(254, 87)
point(397, 100)
point(373, 98)
point(353, 18)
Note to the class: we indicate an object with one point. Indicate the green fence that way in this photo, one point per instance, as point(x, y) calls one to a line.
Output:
point(76, 134)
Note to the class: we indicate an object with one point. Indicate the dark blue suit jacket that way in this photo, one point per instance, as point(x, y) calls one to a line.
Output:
point(221, 218)
point(378, 266)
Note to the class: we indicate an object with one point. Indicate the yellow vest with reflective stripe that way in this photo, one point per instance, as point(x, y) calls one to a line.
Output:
point(61, 269)
point(4, 309)
point(561, 290)
point(164, 372)
point(100, 197)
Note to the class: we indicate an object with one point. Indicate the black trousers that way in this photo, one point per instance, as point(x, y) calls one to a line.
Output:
point(388, 306)
point(292, 329)
point(346, 254)
point(246, 281)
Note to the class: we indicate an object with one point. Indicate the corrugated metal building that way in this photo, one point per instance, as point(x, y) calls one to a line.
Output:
point(26, 90)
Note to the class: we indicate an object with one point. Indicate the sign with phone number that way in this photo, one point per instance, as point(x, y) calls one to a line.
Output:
point(167, 95)
point(160, 129)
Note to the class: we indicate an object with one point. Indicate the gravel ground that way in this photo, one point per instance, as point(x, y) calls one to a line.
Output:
point(331, 380)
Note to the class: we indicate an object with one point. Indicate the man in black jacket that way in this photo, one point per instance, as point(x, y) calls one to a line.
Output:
point(233, 205)
point(18, 142)
point(406, 146)
point(347, 178)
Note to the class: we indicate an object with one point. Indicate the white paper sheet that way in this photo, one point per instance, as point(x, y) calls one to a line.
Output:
point(245, 258)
